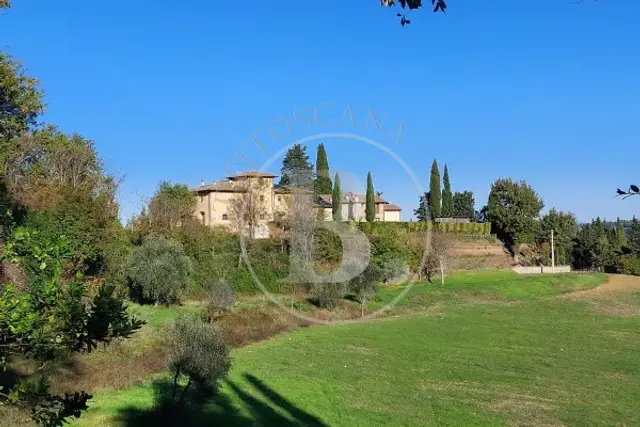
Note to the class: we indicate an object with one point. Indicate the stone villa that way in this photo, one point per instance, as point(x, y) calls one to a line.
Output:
point(216, 201)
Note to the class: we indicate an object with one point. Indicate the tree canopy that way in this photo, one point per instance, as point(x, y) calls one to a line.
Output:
point(512, 209)
point(296, 169)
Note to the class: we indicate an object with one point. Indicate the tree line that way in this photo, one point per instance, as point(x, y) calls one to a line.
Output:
point(440, 202)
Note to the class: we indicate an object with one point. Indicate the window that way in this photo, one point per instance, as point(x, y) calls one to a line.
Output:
point(202, 217)
point(225, 217)
point(261, 198)
point(279, 198)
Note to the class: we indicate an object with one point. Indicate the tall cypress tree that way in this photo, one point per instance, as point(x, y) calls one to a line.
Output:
point(336, 199)
point(296, 169)
point(435, 193)
point(323, 180)
point(370, 208)
point(447, 196)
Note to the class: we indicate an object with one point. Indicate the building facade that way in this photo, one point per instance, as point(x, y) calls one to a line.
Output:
point(251, 199)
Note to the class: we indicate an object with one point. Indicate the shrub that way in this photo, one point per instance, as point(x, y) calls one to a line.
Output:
point(158, 271)
point(364, 285)
point(221, 297)
point(197, 352)
point(327, 295)
point(629, 264)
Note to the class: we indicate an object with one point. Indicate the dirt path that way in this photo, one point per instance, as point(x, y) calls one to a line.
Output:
point(609, 298)
point(616, 283)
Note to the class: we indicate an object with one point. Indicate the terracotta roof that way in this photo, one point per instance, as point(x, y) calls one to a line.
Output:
point(288, 190)
point(359, 198)
point(252, 174)
point(392, 207)
point(222, 186)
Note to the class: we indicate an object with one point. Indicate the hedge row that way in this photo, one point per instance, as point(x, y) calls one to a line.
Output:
point(473, 228)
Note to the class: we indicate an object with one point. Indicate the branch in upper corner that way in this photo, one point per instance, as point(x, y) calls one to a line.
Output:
point(633, 190)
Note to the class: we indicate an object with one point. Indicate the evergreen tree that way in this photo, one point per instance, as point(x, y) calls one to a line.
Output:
point(512, 210)
point(447, 196)
point(621, 238)
point(464, 205)
point(323, 180)
point(422, 213)
point(435, 193)
point(336, 199)
point(634, 237)
point(296, 169)
point(370, 208)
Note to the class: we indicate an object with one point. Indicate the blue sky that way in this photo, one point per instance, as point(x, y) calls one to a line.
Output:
point(174, 90)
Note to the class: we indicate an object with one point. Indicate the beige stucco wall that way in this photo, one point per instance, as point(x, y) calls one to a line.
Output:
point(212, 207)
point(392, 216)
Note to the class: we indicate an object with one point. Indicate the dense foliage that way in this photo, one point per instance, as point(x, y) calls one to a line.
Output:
point(159, 271)
point(513, 209)
point(296, 169)
point(464, 205)
point(565, 229)
point(51, 317)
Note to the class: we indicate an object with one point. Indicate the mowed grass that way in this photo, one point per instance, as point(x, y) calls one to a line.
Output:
point(488, 286)
point(541, 362)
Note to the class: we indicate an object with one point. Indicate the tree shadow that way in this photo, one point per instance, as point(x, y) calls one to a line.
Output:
point(220, 410)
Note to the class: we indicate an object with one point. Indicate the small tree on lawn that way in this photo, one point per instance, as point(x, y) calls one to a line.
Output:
point(221, 297)
point(197, 353)
point(159, 271)
point(441, 244)
point(364, 285)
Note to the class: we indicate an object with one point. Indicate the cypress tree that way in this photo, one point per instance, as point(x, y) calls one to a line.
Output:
point(447, 195)
point(370, 208)
point(323, 180)
point(435, 193)
point(336, 199)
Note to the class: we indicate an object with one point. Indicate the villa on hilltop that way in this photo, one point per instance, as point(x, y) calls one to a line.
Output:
point(215, 202)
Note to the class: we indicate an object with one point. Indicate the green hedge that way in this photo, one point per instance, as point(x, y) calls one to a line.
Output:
point(473, 228)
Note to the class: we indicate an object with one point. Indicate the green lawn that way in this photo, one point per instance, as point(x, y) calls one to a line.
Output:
point(543, 361)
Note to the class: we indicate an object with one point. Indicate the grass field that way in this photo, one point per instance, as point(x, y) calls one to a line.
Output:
point(500, 350)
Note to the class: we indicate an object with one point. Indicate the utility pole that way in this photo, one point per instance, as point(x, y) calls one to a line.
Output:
point(553, 255)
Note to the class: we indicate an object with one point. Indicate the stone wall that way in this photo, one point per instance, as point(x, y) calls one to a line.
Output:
point(542, 269)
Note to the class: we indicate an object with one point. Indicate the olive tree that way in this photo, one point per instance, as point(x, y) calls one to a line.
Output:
point(199, 355)
point(158, 271)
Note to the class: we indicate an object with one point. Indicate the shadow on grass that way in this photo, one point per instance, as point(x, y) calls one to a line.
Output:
point(220, 411)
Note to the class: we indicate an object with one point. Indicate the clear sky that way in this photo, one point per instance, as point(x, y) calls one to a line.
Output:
point(543, 91)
